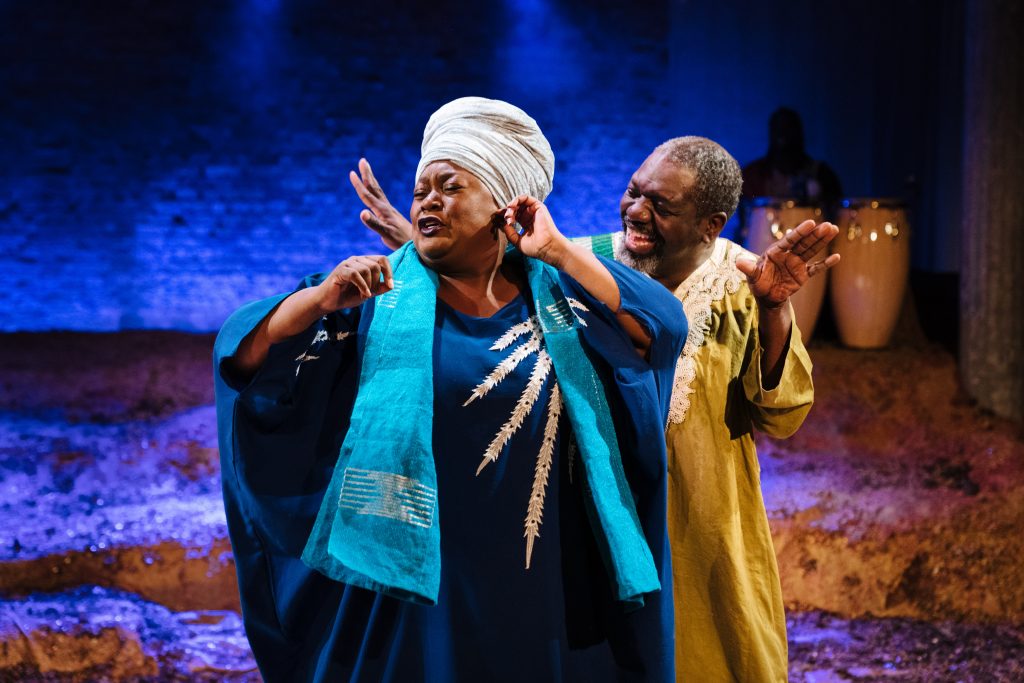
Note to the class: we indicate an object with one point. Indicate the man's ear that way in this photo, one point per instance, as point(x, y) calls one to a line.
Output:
point(712, 226)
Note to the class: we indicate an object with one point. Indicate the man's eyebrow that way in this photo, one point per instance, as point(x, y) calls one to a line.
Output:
point(659, 195)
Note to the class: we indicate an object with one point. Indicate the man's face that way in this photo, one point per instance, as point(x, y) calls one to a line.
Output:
point(659, 218)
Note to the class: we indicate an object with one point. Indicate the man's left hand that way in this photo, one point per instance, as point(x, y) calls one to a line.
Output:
point(379, 215)
point(785, 266)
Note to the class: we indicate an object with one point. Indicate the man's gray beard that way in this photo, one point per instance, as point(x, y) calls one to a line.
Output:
point(644, 264)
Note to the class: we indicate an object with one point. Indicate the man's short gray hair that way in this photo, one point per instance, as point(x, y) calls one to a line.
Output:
point(718, 178)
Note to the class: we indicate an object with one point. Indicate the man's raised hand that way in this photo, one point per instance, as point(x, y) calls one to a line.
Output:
point(787, 264)
point(379, 215)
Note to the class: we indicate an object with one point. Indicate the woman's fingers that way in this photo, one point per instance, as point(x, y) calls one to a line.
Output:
point(371, 272)
point(371, 221)
point(539, 232)
point(355, 280)
point(375, 272)
point(361, 190)
point(523, 209)
point(509, 228)
point(511, 218)
point(389, 276)
point(512, 211)
point(355, 275)
point(369, 275)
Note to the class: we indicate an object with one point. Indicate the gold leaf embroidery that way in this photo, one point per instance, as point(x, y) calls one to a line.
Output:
point(535, 510)
point(516, 331)
point(523, 408)
point(503, 368)
point(575, 305)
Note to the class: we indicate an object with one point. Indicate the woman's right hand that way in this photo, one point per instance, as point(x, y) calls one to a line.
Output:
point(353, 281)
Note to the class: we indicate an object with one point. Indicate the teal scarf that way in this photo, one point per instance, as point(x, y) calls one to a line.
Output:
point(377, 527)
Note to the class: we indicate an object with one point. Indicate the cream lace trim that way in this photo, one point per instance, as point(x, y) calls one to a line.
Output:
point(706, 285)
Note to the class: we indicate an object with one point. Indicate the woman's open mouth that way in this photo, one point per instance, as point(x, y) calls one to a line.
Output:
point(429, 225)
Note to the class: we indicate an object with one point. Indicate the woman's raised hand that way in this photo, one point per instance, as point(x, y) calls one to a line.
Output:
point(540, 237)
point(353, 281)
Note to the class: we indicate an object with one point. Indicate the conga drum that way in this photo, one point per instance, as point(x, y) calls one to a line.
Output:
point(768, 219)
point(869, 282)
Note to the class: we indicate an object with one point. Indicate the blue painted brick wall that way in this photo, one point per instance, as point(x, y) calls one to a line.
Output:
point(163, 162)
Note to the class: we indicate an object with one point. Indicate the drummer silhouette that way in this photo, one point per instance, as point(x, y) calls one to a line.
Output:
point(788, 171)
point(780, 190)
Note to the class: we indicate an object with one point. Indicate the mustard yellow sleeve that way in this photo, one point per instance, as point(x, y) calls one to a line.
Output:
point(779, 412)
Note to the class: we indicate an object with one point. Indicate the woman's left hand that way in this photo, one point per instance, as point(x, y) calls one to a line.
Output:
point(540, 238)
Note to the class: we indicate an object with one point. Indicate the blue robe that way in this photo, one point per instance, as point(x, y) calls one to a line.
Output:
point(495, 620)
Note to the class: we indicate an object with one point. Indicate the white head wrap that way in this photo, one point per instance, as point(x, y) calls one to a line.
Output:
point(495, 141)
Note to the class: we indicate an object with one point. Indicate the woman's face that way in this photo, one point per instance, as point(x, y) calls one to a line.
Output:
point(452, 214)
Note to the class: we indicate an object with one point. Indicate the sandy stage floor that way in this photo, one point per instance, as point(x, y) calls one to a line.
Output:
point(896, 512)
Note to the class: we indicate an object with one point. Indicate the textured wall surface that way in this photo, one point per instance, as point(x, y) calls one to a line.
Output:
point(164, 161)
point(167, 161)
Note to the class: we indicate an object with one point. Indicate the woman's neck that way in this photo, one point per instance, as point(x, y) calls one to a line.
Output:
point(476, 294)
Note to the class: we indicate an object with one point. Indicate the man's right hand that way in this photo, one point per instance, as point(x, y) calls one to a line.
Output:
point(379, 215)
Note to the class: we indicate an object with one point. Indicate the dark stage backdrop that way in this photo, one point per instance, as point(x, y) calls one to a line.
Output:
point(162, 162)
point(879, 85)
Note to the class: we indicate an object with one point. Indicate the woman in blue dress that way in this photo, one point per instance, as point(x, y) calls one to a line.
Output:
point(449, 464)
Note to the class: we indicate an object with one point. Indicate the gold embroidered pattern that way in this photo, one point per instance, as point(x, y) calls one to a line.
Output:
point(706, 285)
point(524, 406)
point(390, 495)
point(535, 510)
point(318, 340)
point(577, 305)
point(304, 358)
point(533, 345)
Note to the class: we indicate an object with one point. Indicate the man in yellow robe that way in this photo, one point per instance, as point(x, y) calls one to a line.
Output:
point(744, 367)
